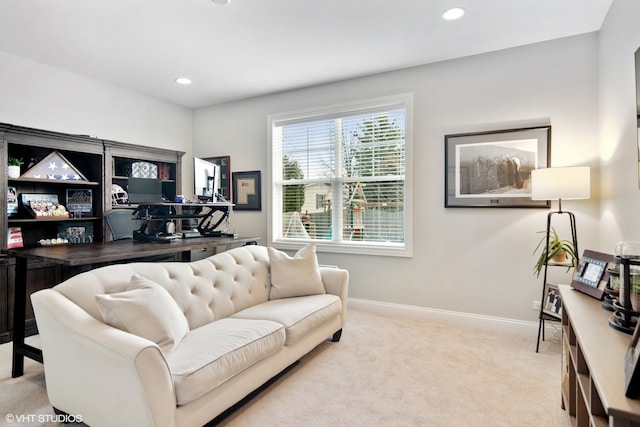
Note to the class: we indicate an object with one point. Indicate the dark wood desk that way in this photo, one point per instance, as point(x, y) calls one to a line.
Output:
point(82, 258)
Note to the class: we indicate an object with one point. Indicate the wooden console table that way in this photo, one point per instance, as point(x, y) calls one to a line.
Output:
point(593, 365)
point(82, 257)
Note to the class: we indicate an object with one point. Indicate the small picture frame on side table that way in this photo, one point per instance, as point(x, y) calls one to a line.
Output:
point(632, 367)
point(591, 274)
point(246, 191)
point(552, 304)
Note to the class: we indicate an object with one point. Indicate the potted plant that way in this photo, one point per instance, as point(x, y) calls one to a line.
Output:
point(13, 168)
point(558, 251)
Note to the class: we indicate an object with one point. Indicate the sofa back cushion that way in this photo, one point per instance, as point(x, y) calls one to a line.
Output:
point(212, 288)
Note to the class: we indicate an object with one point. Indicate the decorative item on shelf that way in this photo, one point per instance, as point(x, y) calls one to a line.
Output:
point(14, 238)
point(76, 232)
point(557, 184)
point(80, 202)
point(13, 168)
point(626, 308)
point(56, 241)
point(164, 171)
point(12, 201)
point(557, 250)
point(144, 170)
point(55, 167)
point(44, 206)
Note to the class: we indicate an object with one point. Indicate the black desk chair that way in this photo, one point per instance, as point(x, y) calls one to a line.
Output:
point(121, 223)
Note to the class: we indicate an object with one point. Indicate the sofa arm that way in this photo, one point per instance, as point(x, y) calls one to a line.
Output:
point(96, 371)
point(336, 282)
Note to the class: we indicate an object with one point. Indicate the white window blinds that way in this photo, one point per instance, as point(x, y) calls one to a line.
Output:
point(339, 176)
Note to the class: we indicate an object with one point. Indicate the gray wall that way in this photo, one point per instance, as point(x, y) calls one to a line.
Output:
point(620, 201)
point(469, 260)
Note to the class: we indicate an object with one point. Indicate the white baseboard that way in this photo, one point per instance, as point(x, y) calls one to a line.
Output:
point(492, 323)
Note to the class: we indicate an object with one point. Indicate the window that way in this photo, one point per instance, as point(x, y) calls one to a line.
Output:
point(340, 177)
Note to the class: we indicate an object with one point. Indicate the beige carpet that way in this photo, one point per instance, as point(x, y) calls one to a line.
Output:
point(384, 372)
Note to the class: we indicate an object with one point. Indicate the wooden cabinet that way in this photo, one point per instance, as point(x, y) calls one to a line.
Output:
point(100, 164)
point(593, 365)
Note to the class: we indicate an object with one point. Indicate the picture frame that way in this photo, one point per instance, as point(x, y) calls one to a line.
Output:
point(552, 303)
point(493, 169)
point(80, 202)
point(225, 174)
point(592, 273)
point(247, 195)
point(632, 367)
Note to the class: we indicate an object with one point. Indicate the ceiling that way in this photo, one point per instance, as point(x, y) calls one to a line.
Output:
point(257, 47)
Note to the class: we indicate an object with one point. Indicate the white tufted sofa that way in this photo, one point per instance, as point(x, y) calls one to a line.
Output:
point(237, 339)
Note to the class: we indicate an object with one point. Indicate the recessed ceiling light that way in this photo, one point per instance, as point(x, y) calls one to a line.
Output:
point(223, 2)
point(453, 13)
point(183, 81)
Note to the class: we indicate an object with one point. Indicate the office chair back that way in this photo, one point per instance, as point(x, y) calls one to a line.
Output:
point(121, 223)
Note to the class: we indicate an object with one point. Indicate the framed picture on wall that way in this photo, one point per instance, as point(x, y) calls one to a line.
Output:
point(493, 169)
point(225, 174)
point(246, 191)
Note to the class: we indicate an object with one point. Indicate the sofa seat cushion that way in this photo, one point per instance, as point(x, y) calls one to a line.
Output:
point(211, 354)
point(298, 315)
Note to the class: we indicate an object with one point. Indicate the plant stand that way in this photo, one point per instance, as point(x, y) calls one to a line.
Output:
point(543, 315)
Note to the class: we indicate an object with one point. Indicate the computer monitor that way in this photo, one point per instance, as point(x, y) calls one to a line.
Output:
point(206, 179)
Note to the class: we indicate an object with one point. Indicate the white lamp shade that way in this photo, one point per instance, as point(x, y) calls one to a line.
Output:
point(561, 183)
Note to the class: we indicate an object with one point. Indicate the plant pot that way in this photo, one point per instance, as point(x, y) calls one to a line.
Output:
point(13, 171)
point(560, 257)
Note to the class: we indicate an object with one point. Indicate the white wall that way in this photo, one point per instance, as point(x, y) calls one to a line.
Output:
point(470, 260)
point(619, 39)
point(43, 97)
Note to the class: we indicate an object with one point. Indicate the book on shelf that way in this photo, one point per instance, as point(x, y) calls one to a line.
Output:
point(14, 237)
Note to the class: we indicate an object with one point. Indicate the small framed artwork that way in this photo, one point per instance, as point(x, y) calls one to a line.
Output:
point(246, 191)
point(552, 304)
point(493, 169)
point(76, 232)
point(225, 174)
point(592, 273)
point(80, 202)
point(632, 367)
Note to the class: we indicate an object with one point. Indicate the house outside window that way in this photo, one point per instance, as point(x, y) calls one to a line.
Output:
point(340, 176)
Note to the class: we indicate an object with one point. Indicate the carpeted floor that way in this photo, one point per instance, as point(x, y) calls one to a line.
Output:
point(384, 372)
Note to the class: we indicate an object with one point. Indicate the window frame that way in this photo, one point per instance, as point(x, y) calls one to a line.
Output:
point(404, 101)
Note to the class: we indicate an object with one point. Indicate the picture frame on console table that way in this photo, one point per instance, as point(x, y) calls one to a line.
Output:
point(493, 169)
point(225, 174)
point(632, 367)
point(592, 273)
point(247, 194)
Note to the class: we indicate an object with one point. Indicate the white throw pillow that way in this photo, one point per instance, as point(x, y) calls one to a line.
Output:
point(297, 276)
point(145, 309)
